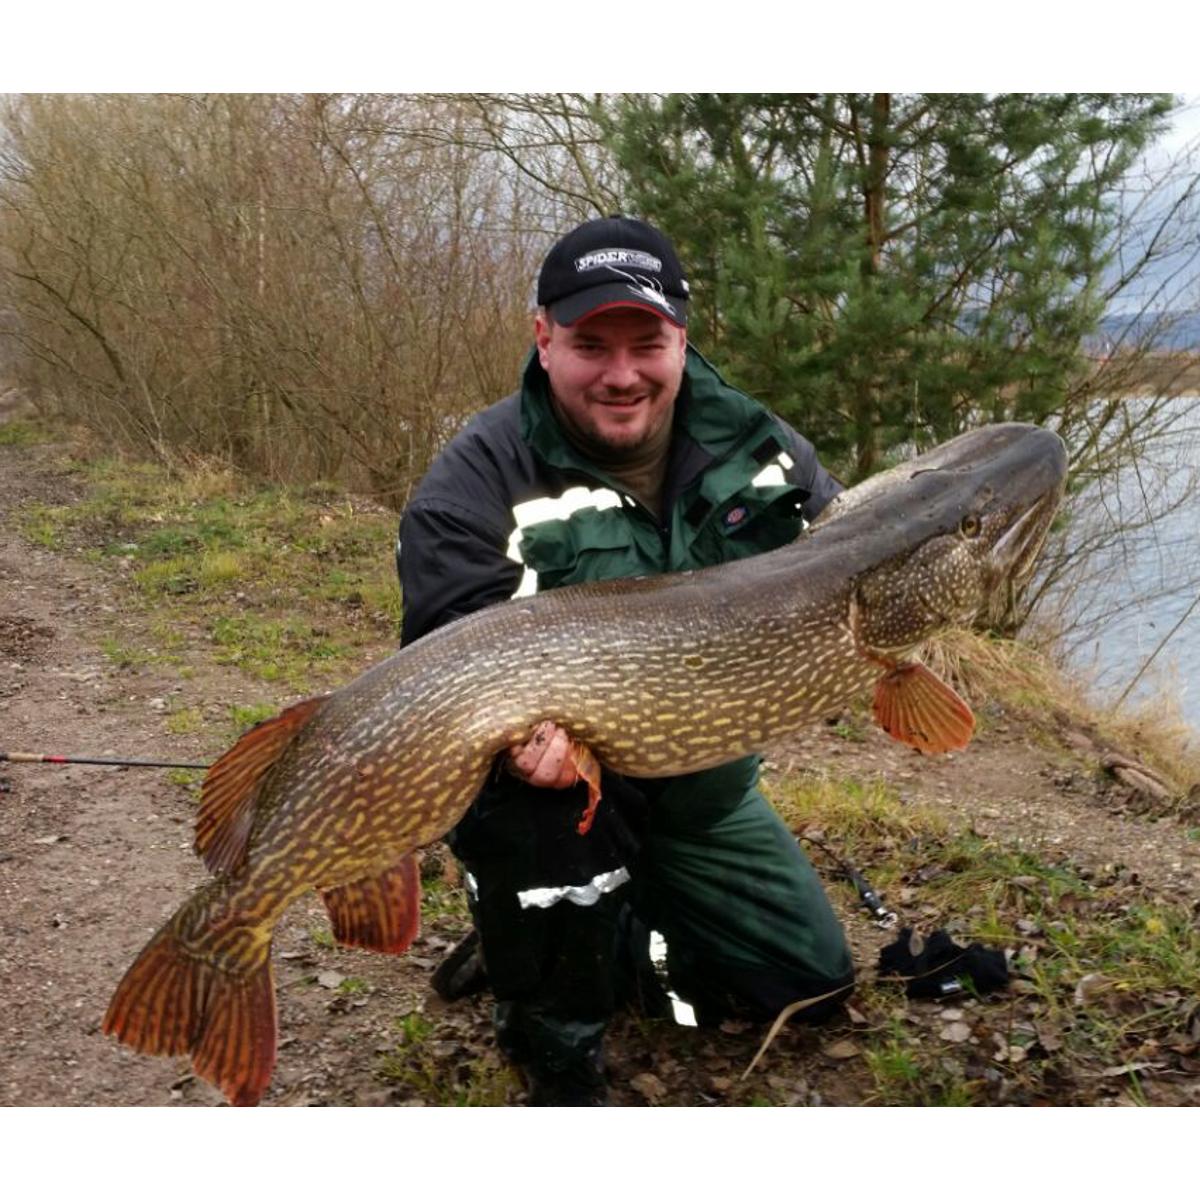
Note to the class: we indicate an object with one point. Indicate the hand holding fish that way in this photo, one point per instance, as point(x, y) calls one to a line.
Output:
point(546, 760)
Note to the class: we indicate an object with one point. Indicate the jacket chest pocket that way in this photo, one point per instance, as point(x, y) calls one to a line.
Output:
point(585, 547)
point(753, 522)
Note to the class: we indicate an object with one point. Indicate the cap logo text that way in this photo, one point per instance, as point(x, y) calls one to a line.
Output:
point(638, 259)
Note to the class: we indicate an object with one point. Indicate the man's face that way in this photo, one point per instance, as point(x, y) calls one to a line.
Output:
point(614, 376)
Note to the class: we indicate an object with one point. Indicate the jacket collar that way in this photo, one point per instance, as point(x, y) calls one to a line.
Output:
point(711, 418)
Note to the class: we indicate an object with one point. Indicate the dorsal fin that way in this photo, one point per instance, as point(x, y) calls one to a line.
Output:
point(229, 790)
point(917, 708)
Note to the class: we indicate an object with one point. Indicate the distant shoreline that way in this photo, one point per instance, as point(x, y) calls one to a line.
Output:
point(1137, 371)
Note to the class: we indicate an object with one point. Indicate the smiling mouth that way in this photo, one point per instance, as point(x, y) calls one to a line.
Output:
point(625, 402)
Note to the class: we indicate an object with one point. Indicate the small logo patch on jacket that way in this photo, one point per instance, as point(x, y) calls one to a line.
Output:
point(735, 516)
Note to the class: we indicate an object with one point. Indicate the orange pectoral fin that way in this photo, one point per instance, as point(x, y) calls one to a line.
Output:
point(588, 769)
point(915, 707)
point(228, 792)
point(381, 913)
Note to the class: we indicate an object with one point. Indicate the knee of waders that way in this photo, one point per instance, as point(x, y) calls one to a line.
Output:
point(544, 897)
point(723, 991)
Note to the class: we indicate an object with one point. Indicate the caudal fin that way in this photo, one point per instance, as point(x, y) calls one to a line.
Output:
point(171, 1002)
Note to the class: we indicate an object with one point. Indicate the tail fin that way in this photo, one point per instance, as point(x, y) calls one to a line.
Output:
point(171, 1002)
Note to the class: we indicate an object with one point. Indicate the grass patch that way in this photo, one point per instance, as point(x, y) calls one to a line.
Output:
point(22, 433)
point(285, 649)
point(185, 777)
point(288, 583)
point(904, 1072)
point(439, 899)
point(121, 654)
point(1101, 970)
point(862, 817)
point(246, 716)
point(45, 524)
point(435, 1066)
point(186, 720)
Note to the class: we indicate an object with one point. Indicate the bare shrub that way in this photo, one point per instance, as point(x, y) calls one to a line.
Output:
point(310, 286)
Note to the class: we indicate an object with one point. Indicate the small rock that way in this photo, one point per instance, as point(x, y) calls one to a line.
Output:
point(1091, 986)
point(841, 1049)
point(959, 1031)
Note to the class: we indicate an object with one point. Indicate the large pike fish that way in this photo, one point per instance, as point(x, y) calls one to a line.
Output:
point(657, 676)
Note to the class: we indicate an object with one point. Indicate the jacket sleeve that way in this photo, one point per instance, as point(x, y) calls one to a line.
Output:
point(808, 473)
point(451, 563)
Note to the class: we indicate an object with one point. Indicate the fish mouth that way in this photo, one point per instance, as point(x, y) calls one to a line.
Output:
point(1016, 550)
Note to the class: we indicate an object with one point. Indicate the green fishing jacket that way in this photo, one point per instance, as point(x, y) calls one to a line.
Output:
point(511, 507)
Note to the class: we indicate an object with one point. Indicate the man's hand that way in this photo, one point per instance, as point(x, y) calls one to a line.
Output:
point(545, 760)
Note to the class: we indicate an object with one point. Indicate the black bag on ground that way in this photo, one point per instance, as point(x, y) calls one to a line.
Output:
point(936, 965)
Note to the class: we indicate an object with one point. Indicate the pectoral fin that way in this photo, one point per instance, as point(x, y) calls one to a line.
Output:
point(915, 707)
point(381, 913)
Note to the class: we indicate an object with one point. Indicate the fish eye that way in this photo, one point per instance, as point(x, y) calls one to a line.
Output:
point(970, 525)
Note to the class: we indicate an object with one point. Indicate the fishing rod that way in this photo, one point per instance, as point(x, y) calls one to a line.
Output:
point(14, 756)
point(884, 917)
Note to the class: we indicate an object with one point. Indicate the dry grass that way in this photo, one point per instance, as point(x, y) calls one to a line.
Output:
point(1026, 679)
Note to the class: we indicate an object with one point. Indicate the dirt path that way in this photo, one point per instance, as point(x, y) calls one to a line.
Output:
point(93, 859)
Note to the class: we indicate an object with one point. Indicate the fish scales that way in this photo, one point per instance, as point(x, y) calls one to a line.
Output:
point(658, 676)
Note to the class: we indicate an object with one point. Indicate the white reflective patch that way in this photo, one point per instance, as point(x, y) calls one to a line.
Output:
point(583, 894)
point(559, 508)
point(528, 584)
point(552, 508)
point(770, 476)
point(472, 886)
point(681, 1010)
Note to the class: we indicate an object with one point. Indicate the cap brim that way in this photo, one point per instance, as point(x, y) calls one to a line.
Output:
point(618, 295)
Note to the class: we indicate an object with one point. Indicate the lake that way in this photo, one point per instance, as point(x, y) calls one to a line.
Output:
point(1141, 590)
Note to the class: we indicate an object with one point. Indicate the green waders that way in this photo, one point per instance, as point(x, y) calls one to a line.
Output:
point(563, 919)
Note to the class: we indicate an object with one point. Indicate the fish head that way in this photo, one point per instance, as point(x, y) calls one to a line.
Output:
point(956, 533)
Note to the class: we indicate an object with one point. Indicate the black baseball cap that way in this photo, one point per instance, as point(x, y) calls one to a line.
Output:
point(613, 262)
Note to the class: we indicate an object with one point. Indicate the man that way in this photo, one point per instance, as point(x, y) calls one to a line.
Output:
point(623, 453)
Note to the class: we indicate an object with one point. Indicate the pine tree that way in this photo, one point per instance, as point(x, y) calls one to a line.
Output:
point(888, 269)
